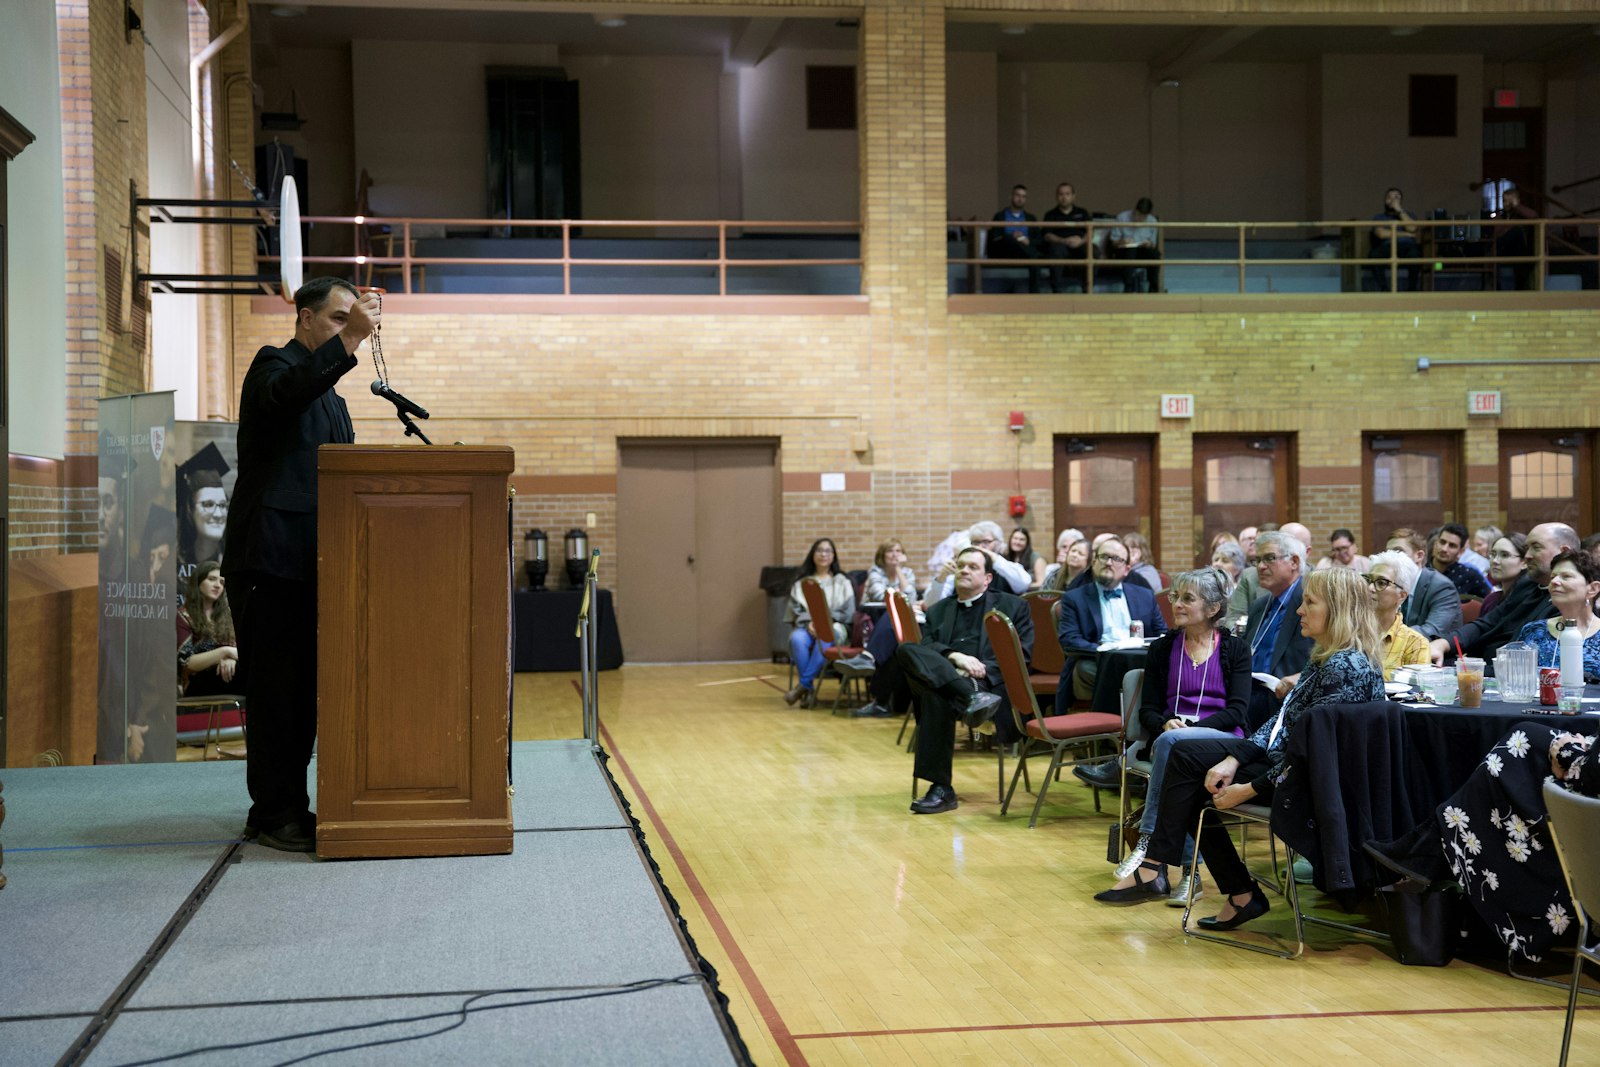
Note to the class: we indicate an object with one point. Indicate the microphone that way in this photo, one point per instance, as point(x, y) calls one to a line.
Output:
point(380, 389)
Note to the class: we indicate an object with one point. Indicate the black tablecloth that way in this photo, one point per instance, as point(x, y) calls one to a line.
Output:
point(1113, 665)
point(545, 624)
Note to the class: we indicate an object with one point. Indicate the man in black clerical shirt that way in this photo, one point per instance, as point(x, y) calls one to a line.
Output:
point(1066, 242)
point(954, 672)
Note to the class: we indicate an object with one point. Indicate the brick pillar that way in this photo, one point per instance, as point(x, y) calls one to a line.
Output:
point(903, 212)
point(82, 281)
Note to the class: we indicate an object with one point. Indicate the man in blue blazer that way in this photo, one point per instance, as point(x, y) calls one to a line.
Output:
point(1097, 612)
point(1277, 647)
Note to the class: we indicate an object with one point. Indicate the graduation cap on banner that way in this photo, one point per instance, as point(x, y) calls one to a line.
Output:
point(204, 470)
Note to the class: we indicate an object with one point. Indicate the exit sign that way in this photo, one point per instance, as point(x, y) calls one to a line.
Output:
point(1507, 98)
point(1483, 402)
point(1177, 405)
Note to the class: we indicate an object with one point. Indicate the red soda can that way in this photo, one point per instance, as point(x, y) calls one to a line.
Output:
point(1136, 628)
point(1549, 685)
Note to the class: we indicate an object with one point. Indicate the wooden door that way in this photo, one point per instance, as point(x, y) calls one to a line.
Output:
point(696, 522)
point(1547, 476)
point(1106, 483)
point(1240, 480)
point(1513, 147)
point(1409, 479)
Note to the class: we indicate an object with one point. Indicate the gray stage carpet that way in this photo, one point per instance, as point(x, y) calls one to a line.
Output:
point(137, 928)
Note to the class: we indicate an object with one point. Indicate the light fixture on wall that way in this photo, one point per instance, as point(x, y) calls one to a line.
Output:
point(1404, 31)
point(1014, 29)
point(286, 11)
point(610, 22)
point(1169, 83)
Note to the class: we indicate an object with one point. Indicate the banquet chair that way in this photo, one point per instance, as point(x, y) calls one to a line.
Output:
point(1057, 733)
point(1470, 610)
point(224, 715)
point(1577, 819)
point(1243, 816)
point(817, 606)
point(1133, 735)
point(1048, 659)
point(906, 629)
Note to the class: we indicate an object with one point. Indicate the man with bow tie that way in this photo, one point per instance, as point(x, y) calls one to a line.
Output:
point(1097, 612)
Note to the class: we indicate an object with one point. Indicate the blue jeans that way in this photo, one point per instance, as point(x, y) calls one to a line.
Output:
point(806, 653)
point(1160, 752)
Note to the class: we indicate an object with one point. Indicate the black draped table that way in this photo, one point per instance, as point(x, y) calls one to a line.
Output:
point(546, 623)
point(1114, 664)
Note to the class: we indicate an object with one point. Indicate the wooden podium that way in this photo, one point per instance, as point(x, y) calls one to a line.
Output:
point(414, 664)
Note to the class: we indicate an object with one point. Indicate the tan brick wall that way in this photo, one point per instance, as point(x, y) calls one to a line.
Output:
point(51, 520)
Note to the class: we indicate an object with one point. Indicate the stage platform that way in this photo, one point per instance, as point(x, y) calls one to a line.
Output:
point(138, 928)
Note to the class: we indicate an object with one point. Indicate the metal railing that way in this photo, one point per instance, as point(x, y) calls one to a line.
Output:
point(1439, 246)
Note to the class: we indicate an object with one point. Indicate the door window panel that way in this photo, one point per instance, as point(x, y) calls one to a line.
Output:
point(1101, 481)
point(1239, 480)
point(1406, 477)
point(1543, 476)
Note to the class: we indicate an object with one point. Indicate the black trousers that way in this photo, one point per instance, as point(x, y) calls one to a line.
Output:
point(1183, 794)
point(277, 623)
point(1130, 279)
point(1060, 276)
point(1002, 245)
point(888, 683)
point(940, 691)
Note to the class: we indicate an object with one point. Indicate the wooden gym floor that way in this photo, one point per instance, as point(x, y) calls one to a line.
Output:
point(848, 931)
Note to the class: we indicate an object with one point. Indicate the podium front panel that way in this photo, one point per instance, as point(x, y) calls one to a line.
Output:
point(413, 666)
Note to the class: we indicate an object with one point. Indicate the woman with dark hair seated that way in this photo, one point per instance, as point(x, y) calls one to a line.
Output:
point(1019, 550)
point(810, 636)
point(1196, 684)
point(1507, 566)
point(208, 653)
point(1336, 613)
point(1574, 583)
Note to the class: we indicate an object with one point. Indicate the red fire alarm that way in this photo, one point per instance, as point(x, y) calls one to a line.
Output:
point(1019, 507)
point(1018, 421)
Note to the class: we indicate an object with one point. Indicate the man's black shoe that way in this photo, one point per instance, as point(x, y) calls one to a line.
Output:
point(1104, 775)
point(856, 666)
point(873, 710)
point(288, 838)
point(939, 798)
point(980, 708)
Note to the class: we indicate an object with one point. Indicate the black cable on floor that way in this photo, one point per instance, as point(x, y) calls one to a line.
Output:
point(97, 1026)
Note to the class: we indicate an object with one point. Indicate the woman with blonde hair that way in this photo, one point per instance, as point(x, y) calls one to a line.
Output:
point(1336, 612)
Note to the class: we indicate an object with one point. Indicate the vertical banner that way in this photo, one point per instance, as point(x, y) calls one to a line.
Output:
point(206, 457)
point(138, 578)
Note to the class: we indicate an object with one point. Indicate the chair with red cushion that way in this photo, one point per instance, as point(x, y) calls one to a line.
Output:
point(1048, 659)
point(1470, 609)
point(1058, 733)
point(817, 606)
point(906, 629)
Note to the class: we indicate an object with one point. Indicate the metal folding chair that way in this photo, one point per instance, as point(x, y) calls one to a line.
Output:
point(1577, 819)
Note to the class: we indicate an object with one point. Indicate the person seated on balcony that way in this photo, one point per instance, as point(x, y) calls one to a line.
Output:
point(1342, 553)
point(1019, 550)
point(1134, 238)
point(809, 635)
point(1447, 545)
point(1401, 236)
point(1018, 239)
point(1392, 576)
point(1067, 242)
point(1434, 607)
point(1525, 602)
point(1516, 240)
point(1100, 611)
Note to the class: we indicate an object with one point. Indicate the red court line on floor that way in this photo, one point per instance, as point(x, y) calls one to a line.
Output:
point(1083, 1023)
point(758, 993)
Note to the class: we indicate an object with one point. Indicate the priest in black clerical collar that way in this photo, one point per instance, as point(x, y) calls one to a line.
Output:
point(953, 672)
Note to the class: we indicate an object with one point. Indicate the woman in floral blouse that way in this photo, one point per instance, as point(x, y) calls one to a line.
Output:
point(1336, 613)
point(1491, 836)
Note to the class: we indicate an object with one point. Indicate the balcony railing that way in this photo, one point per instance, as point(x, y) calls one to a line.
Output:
point(1244, 257)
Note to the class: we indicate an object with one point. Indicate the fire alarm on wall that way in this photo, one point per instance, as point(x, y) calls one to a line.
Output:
point(1019, 506)
point(1018, 421)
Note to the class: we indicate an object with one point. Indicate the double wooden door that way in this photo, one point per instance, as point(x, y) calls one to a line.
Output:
point(696, 522)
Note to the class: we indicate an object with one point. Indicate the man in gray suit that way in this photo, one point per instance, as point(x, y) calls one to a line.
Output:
point(1277, 647)
point(1434, 607)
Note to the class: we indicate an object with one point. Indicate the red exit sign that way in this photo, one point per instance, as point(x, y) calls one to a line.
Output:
point(1177, 405)
point(1507, 98)
point(1483, 402)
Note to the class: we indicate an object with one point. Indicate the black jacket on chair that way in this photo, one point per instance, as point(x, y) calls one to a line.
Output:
point(286, 410)
point(941, 625)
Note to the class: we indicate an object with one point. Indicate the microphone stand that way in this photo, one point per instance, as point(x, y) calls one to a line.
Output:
point(412, 429)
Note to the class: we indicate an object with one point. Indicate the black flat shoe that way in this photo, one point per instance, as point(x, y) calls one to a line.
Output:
point(1256, 907)
point(939, 798)
point(1157, 888)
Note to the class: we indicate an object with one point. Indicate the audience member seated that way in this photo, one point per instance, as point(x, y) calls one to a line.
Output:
point(1476, 554)
point(1434, 607)
point(1574, 583)
point(1448, 542)
point(1505, 567)
point(1277, 646)
point(1017, 239)
point(1492, 837)
point(208, 651)
point(1591, 545)
point(1196, 684)
point(889, 571)
point(1525, 602)
point(1072, 558)
point(1392, 576)
point(1019, 550)
point(1224, 772)
point(985, 535)
point(1518, 240)
point(1401, 234)
point(1098, 612)
point(1342, 553)
point(1086, 576)
point(954, 673)
point(810, 636)
point(1135, 238)
point(1140, 562)
point(1229, 557)
point(889, 693)
point(1066, 242)
point(1249, 587)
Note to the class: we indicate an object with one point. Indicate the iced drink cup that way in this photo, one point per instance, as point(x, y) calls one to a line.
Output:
point(1469, 681)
